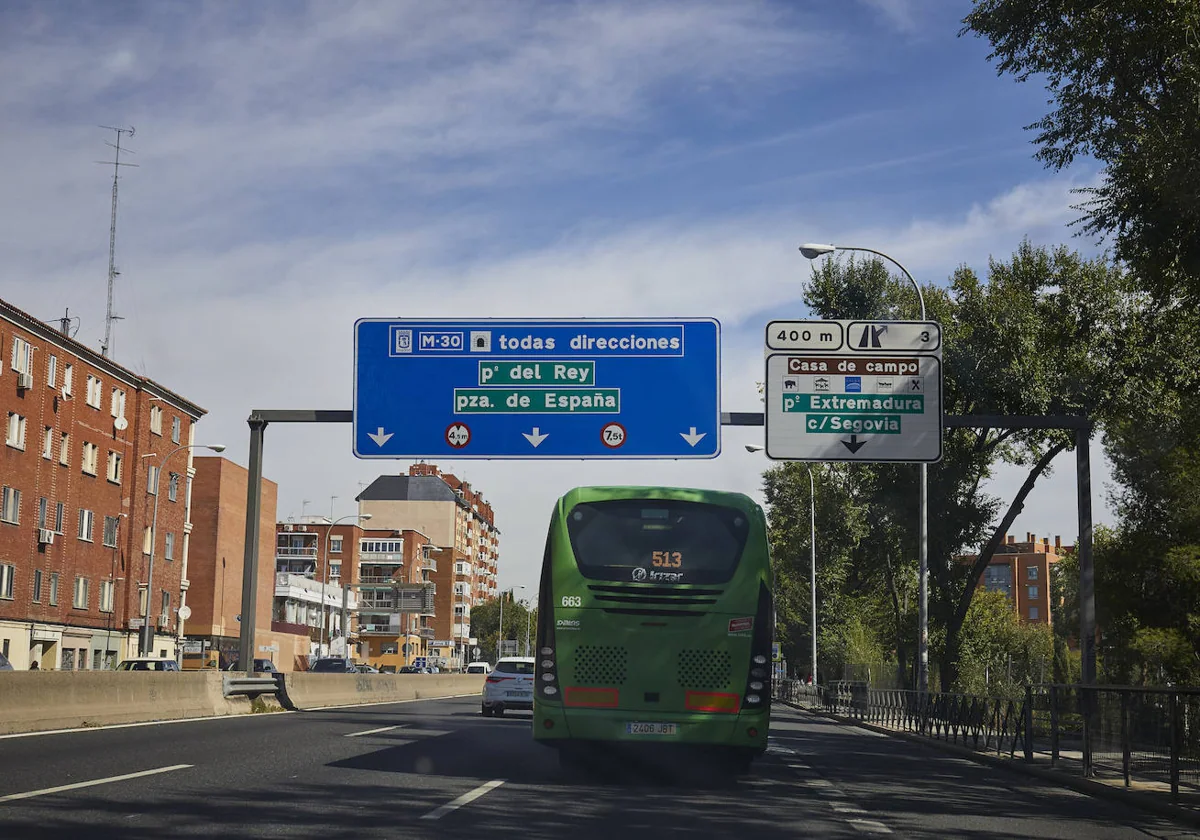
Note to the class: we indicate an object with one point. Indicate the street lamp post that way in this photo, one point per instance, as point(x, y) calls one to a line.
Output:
point(146, 639)
point(812, 251)
point(500, 632)
point(113, 582)
point(812, 541)
point(344, 578)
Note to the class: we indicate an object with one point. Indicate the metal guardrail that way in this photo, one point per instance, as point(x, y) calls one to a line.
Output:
point(1147, 736)
point(250, 685)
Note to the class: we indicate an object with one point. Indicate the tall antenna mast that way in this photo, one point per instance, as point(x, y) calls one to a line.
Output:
point(109, 317)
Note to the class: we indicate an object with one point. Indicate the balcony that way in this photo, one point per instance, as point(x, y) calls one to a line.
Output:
point(376, 580)
point(291, 552)
point(429, 564)
point(289, 628)
point(426, 632)
point(389, 558)
point(379, 629)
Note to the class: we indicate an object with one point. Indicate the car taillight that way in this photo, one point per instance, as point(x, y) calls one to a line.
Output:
point(495, 680)
point(758, 683)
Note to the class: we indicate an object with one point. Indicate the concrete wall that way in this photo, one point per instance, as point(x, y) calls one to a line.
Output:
point(33, 701)
point(304, 691)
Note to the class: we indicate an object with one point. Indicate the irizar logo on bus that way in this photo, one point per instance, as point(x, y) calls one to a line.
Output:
point(640, 574)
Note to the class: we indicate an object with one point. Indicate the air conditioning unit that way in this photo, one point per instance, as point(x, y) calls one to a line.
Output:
point(163, 621)
point(45, 536)
point(25, 380)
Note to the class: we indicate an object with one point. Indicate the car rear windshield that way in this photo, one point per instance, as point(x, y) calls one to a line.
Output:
point(514, 668)
point(657, 540)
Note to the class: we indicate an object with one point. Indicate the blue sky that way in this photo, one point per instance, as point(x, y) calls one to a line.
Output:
point(302, 166)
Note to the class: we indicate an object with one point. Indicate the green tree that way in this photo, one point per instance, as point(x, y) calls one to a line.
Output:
point(1124, 81)
point(485, 624)
point(1048, 333)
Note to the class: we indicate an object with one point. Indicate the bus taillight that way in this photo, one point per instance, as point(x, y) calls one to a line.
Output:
point(757, 681)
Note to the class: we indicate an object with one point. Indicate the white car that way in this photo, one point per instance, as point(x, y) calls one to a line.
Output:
point(479, 668)
point(509, 686)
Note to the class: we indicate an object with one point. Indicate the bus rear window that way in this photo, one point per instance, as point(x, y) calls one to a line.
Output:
point(657, 540)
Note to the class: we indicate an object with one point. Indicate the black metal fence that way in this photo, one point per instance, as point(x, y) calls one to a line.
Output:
point(1145, 737)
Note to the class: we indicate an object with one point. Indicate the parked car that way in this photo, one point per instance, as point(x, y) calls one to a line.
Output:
point(508, 686)
point(479, 668)
point(364, 668)
point(261, 666)
point(148, 663)
point(333, 665)
point(408, 669)
point(5, 665)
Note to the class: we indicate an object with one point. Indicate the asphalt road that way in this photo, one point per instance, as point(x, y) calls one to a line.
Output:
point(437, 769)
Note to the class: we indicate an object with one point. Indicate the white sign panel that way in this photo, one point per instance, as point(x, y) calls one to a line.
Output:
point(876, 398)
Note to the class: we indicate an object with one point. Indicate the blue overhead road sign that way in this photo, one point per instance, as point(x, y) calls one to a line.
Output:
point(537, 388)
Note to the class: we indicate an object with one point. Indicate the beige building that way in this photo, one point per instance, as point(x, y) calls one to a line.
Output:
point(464, 549)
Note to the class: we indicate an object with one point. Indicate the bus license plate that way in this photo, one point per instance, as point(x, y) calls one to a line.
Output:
point(650, 729)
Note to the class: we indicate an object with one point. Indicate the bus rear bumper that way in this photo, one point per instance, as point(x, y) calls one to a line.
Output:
point(747, 730)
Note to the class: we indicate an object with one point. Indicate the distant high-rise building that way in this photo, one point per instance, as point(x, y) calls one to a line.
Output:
point(1022, 572)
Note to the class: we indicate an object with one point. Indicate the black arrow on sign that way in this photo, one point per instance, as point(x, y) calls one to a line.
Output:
point(854, 444)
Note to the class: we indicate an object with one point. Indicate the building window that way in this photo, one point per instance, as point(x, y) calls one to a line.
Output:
point(37, 586)
point(43, 509)
point(166, 605)
point(54, 589)
point(146, 540)
point(106, 596)
point(110, 531)
point(169, 548)
point(389, 648)
point(142, 600)
point(114, 467)
point(175, 428)
point(96, 655)
point(47, 443)
point(1033, 593)
point(335, 570)
point(7, 573)
point(998, 578)
point(1033, 573)
point(52, 371)
point(155, 420)
point(16, 431)
point(91, 455)
point(80, 601)
point(1033, 613)
point(335, 545)
point(152, 480)
point(68, 379)
point(64, 449)
point(94, 389)
point(118, 403)
point(381, 546)
point(60, 513)
point(10, 505)
point(86, 521)
point(173, 487)
point(22, 355)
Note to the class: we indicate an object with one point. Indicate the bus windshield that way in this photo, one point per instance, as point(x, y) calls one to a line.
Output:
point(657, 540)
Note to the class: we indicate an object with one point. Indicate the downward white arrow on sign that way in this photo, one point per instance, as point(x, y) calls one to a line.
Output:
point(379, 437)
point(691, 437)
point(536, 438)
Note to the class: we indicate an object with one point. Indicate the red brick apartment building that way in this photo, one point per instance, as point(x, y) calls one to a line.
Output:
point(83, 440)
point(1022, 572)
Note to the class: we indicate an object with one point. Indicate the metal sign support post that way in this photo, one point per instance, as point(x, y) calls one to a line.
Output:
point(260, 418)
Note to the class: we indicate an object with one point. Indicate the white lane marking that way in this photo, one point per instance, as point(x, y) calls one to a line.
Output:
point(467, 798)
point(846, 808)
point(12, 797)
point(870, 826)
point(374, 731)
point(821, 783)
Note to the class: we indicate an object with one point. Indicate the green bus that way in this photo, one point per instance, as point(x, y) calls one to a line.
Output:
point(655, 622)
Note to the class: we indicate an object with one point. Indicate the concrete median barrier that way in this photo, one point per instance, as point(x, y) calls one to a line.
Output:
point(32, 701)
point(303, 690)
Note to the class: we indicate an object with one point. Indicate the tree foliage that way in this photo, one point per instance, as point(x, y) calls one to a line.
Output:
point(485, 624)
point(1124, 80)
point(1047, 333)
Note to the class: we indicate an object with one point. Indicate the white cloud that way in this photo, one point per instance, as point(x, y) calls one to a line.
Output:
point(293, 163)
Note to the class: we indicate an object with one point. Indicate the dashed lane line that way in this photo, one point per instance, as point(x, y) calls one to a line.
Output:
point(374, 731)
point(12, 797)
point(467, 798)
point(870, 826)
